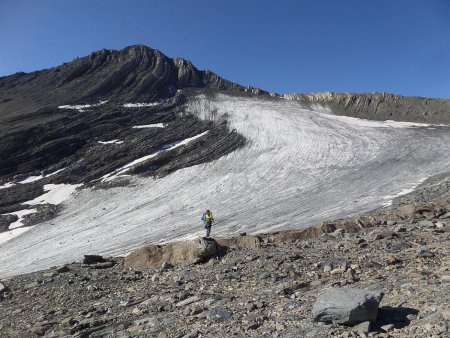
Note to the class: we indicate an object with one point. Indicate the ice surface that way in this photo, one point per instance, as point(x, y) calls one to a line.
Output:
point(298, 168)
point(156, 125)
point(389, 199)
point(8, 235)
point(137, 105)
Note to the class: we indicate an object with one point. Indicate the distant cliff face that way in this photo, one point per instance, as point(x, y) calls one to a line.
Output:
point(136, 73)
point(380, 106)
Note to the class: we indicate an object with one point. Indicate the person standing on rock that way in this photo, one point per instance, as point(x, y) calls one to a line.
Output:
point(208, 218)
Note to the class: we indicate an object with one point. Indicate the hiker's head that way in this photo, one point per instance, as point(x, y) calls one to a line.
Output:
point(208, 212)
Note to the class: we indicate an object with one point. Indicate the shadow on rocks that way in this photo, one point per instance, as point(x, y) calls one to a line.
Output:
point(398, 317)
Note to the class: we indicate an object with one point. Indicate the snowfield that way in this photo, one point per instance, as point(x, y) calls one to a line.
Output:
point(299, 167)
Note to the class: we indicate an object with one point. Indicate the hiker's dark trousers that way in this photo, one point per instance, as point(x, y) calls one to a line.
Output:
point(208, 228)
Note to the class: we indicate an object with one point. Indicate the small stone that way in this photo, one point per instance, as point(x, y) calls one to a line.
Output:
point(387, 328)
point(440, 225)
point(220, 276)
point(102, 265)
point(424, 253)
point(363, 328)
point(279, 327)
point(183, 294)
point(63, 269)
point(188, 301)
point(3, 288)
point(166, 266)
point(400, 228)
point(337, 271)
point(31, 285)
point(264, 275)
point(196, 309)
point(135, 311)
point(155, 277)
point(427, 224)
point(219, 315)
point(250, 307)
point(327, 268)
point(193, 334)
point(38, 330)
point(68, 321)
point(91, 259)
point(391, 260)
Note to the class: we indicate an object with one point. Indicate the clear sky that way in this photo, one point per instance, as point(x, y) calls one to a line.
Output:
point(398, 46)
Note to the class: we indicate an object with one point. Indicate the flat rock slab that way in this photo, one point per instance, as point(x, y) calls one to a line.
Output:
point(347, 306)
point(178, 253)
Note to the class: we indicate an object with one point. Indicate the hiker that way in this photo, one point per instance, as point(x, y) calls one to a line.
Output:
point(208, 218)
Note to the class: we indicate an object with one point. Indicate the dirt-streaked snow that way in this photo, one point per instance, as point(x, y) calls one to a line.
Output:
point(298, 168)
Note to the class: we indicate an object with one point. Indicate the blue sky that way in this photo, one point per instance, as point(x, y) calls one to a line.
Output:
point(282, 46)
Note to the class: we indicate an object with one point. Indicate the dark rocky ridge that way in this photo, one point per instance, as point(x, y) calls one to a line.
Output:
point(381, 106)
point(134, 74)
point(37, 137)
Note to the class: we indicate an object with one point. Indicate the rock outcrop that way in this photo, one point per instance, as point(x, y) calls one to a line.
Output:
point(177, 253)
point(380, 106)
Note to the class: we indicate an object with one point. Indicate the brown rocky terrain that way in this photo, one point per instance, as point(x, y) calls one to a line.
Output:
point(251, 286)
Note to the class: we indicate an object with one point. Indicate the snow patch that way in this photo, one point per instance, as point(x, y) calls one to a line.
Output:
point(82, 107)
point(7, 185)
point(156, 125)
point(111, 142)
point(20, 214)
point(55, 194)
point(138, 105)
point(37, 178)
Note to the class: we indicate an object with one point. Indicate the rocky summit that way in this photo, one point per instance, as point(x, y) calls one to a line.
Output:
point(332, 209)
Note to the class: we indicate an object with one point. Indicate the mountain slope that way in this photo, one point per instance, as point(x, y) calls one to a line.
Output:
point(134, 74)
point(144, 143)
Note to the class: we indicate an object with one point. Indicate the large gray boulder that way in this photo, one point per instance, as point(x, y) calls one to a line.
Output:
point(347, 306)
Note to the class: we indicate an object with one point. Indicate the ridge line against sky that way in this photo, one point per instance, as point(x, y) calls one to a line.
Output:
point(400, 46)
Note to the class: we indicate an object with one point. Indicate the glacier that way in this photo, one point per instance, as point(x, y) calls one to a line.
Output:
point(300, 166)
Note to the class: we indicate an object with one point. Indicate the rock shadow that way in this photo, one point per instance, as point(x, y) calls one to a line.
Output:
point(397, 316)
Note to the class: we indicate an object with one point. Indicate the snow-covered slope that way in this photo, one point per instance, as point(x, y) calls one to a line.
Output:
point(299, 167)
